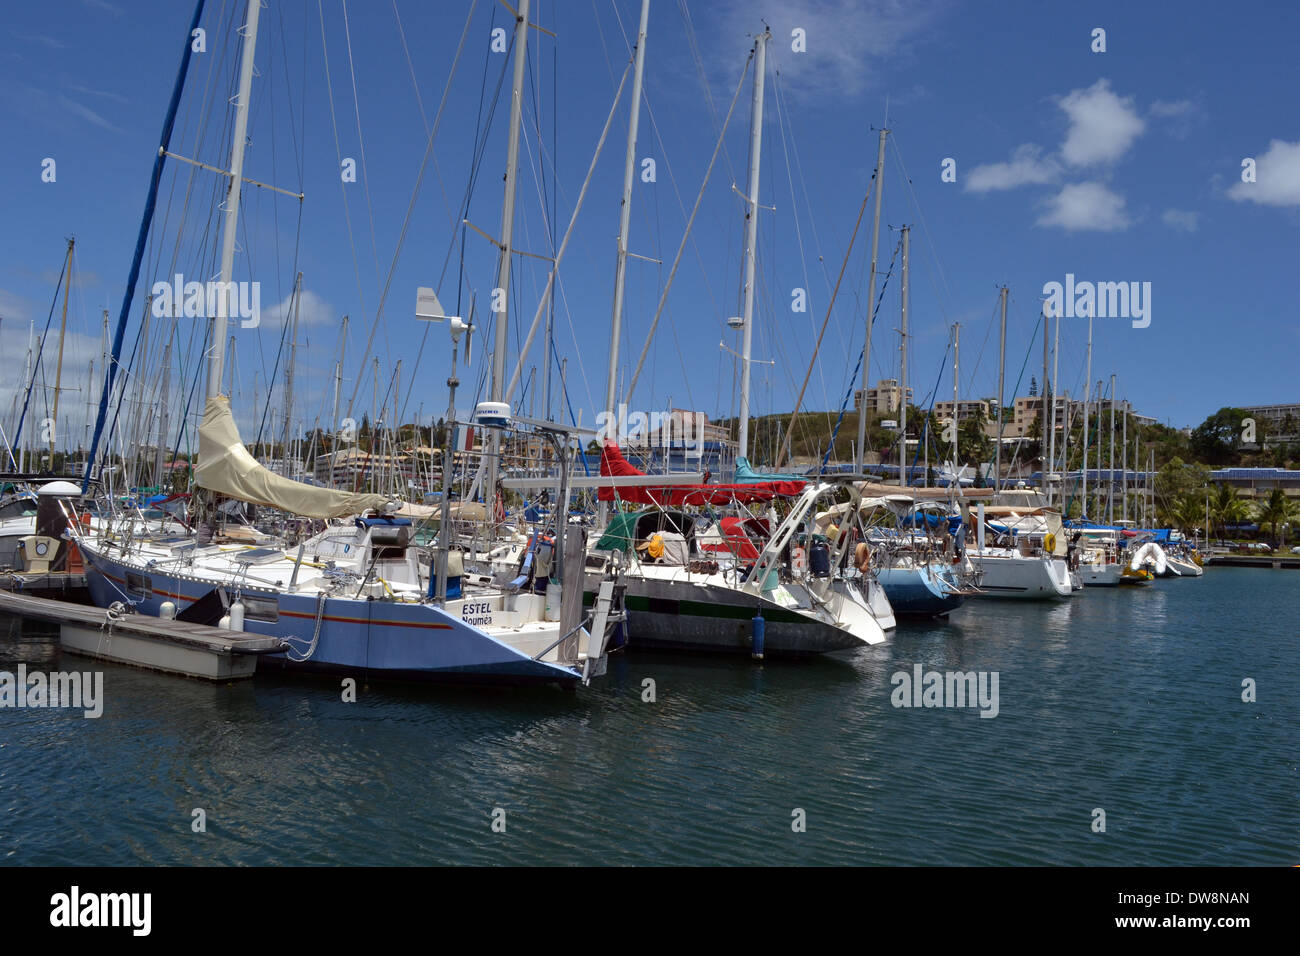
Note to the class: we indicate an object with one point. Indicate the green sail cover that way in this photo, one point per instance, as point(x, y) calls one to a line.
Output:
point(620, 533)
point(746, 475)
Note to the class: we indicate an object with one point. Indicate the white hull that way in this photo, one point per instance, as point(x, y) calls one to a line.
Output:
point(1007, 574)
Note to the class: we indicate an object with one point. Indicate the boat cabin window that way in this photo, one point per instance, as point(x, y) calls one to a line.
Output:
point(18, 508)
point(138, 585)
point(262, 609)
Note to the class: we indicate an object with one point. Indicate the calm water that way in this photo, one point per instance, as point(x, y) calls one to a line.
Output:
point(1127, 700)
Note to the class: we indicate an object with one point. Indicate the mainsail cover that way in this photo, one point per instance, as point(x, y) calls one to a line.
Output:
point(226, 467)
point(613, 464)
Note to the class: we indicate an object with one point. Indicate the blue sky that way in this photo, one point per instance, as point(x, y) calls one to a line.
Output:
point(1123, 165)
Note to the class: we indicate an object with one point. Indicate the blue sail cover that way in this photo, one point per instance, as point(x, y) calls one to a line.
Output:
point(1146, 534)
point(746, 475)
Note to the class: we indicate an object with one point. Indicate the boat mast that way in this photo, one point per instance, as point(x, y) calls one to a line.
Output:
point(1051, 441)
point(501, 293)
point(231, 222)
point(1123, 490)
point(1002, 363)
point(859, 451)
point(1087, 397)
point(751, 234)
point(1043, 415)
point(1110, 478)
point(902, 375)
point(288, 380)
point(63, 328)
point(163, 409)
point(625, 216)
point(956, 347)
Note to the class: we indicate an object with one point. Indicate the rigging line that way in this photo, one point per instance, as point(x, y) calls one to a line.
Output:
point(817, 348)
point(787, 122)
point(979, 359)
point(39, 351)
point(692, 43)
point(343, 189)
point(690, 222)
point(361, 141)
point(410, 212)
point(568, 234)
point(419, 102)
point(928, 239)
point(600, 31)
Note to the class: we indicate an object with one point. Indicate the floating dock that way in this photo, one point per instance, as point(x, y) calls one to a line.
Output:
point(68, 585)
point(175, 647)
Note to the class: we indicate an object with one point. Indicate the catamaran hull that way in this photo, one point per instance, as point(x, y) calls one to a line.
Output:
point(376, 639)
point(719, 620)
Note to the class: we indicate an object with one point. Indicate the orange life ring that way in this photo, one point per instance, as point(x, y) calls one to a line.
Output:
point(862, 557)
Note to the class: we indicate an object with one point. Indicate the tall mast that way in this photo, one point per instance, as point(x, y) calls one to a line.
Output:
point(63, 327)
point(1123, 488)
point(860, 453)
point(625, 215)
point(902, 389)
point(1087, 396)
point(1110, 478)
point(288, 379)
point(502, 288)
point(163, 409)
point(1042, 415)
point(1056, 362)
point(956, 347)
point(1002, 364)
point(751, 233)
point(232, 197)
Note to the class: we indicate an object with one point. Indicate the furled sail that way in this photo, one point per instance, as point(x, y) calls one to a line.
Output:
point(226, 467)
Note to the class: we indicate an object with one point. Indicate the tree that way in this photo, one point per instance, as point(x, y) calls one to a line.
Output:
point(1276, 510)
point(1215, 439)
point(1227, 507)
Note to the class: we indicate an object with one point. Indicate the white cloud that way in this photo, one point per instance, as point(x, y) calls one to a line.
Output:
point(1277, 177)
point(1180, 219)
point(1027, 166)
point(1169, 109)
point(312, 311)
point(1086, 206)
point(848, 41)
point(1102, 125)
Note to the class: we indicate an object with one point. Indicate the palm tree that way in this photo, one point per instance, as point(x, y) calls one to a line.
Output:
point(1187, 513)
point(1276, 510)
point(1227, 507)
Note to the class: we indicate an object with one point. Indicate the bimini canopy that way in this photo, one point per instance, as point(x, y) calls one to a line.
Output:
point(613, 464)
point(226, 467)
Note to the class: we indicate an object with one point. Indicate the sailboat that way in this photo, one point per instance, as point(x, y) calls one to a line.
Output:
point(352, 599)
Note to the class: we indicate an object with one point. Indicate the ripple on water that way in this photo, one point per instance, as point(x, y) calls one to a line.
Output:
point(1123, 700)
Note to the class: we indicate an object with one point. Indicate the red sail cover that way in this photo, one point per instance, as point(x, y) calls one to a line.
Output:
point(613, 464)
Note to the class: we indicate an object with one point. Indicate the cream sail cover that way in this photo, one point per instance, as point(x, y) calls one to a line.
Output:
point(226, 467)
